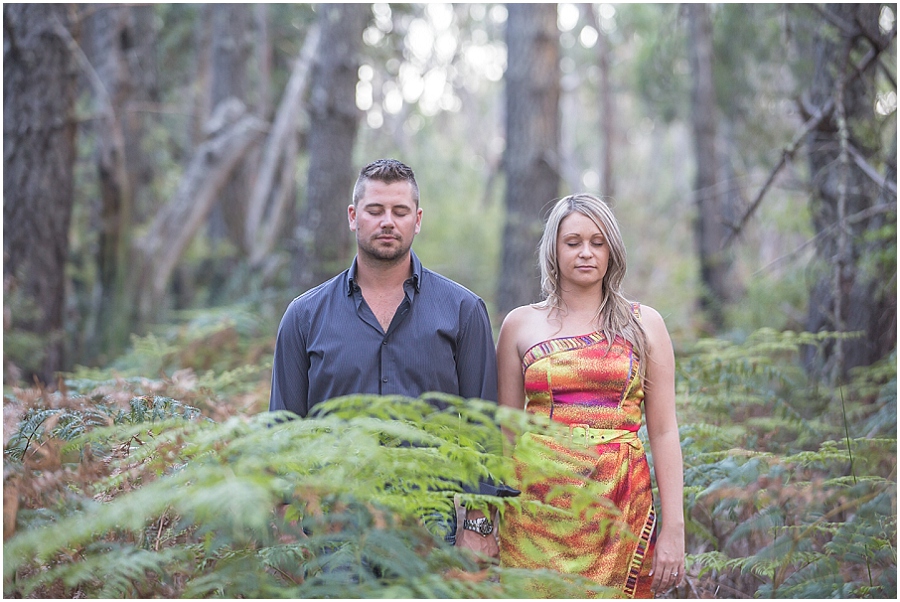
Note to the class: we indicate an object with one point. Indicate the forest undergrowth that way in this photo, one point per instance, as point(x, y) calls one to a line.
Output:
point(162, 476)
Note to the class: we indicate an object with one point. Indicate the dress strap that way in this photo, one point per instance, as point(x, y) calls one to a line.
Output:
point(636, 310)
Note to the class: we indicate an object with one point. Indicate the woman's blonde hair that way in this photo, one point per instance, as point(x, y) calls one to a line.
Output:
point(615, 315)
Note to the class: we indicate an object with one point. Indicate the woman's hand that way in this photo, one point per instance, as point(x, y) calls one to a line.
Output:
point(668, 560)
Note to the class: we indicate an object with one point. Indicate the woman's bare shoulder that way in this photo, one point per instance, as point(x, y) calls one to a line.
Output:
point(524, 316)
point(654, 324)
point(523, 327)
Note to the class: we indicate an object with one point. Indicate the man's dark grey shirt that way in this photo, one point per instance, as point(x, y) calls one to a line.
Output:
point(330, 344)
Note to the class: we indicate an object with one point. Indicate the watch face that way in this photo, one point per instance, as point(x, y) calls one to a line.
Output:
point(482, 526)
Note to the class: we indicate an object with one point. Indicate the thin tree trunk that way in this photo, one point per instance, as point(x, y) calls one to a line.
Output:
point(323, 239)
point(269, 201)
point(262, 50)
point(120, 74)
point(607, 108)
point(708, 224)
point(231, 53)
point(532, 143)
point(39, 87)
point(202, 89)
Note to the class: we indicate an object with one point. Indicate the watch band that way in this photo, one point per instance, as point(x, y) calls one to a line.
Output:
point(483, 526)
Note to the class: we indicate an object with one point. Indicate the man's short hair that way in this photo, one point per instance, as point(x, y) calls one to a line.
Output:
point(387, 171)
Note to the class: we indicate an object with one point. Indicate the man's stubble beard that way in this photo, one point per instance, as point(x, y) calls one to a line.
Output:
point(386, 255)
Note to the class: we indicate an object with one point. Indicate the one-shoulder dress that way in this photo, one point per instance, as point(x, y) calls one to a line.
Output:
point(594, 391)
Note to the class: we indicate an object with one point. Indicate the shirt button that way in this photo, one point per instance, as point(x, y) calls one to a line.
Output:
point(384, 342)
point(384, 380)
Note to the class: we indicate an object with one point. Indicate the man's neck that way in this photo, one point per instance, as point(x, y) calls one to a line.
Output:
point(374, 275)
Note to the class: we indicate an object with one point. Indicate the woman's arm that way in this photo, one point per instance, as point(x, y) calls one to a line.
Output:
point(510, 378)
point(662, 427)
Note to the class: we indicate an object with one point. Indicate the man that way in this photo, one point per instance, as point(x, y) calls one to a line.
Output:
point(386, 325)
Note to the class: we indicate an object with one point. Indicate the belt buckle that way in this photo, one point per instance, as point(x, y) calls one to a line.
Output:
point(572, 433)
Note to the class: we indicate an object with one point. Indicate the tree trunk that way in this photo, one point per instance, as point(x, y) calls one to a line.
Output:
point(269, 200)
point(121, 55)
point(39, 87)
point(709, 230)
point(607, 108)
point(851, 293)
point(532, 143)
point(202, 106)
point(230, 60)
point(262, 72)
point(323, 239)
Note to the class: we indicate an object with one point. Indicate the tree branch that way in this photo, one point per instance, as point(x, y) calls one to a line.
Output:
point(846, 29)
point(283, 127)
point(863, 215)
point(791, 149)
point(176, 224)
point(870, 171)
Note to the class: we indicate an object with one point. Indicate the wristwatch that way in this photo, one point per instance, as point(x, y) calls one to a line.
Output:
point(483, 526)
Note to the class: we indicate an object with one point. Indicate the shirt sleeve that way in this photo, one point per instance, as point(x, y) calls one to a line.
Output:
point(290, 369)
point(477, 370)
point(476, 362)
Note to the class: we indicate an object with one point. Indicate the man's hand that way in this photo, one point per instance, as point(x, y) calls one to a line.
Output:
point(482, 544)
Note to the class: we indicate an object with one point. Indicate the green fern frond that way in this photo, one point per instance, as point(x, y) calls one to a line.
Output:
point(766, 520)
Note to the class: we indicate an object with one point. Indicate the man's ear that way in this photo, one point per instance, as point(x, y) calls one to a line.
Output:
point(351, 217)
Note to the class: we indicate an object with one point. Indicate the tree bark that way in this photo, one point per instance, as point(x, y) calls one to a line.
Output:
point(231, 52)
point(709, 229)
point(202, 105)
point(607, 108)
point(532, 143)
point(848, 295)
point(122, 72)
point(39, 87)
point(323, 239)
point(262, 52)
point(268, 199)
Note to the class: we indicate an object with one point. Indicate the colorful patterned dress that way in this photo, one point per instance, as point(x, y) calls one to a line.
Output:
point(596, 394)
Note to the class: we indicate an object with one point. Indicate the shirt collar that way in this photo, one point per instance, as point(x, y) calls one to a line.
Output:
point(416, 273)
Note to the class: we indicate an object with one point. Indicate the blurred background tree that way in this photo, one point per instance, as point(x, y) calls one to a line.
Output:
point(39, 90)
point(748, 150)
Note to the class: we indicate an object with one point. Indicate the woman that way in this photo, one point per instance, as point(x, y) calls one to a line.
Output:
point(588, 358)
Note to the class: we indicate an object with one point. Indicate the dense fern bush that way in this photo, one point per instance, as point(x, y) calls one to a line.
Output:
point(219, 361)
point(173, 483)
point(790, 487)
point(157, 500)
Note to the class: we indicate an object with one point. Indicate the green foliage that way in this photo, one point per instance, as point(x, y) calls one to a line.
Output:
point(790, 490)
point(126, 489)
point(882, 256)
point(340, 504)
point(203, 359)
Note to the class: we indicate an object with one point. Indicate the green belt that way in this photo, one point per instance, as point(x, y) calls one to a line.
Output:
point(586, 435)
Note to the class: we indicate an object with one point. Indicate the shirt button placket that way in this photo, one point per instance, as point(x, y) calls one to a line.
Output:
point(384, 379)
